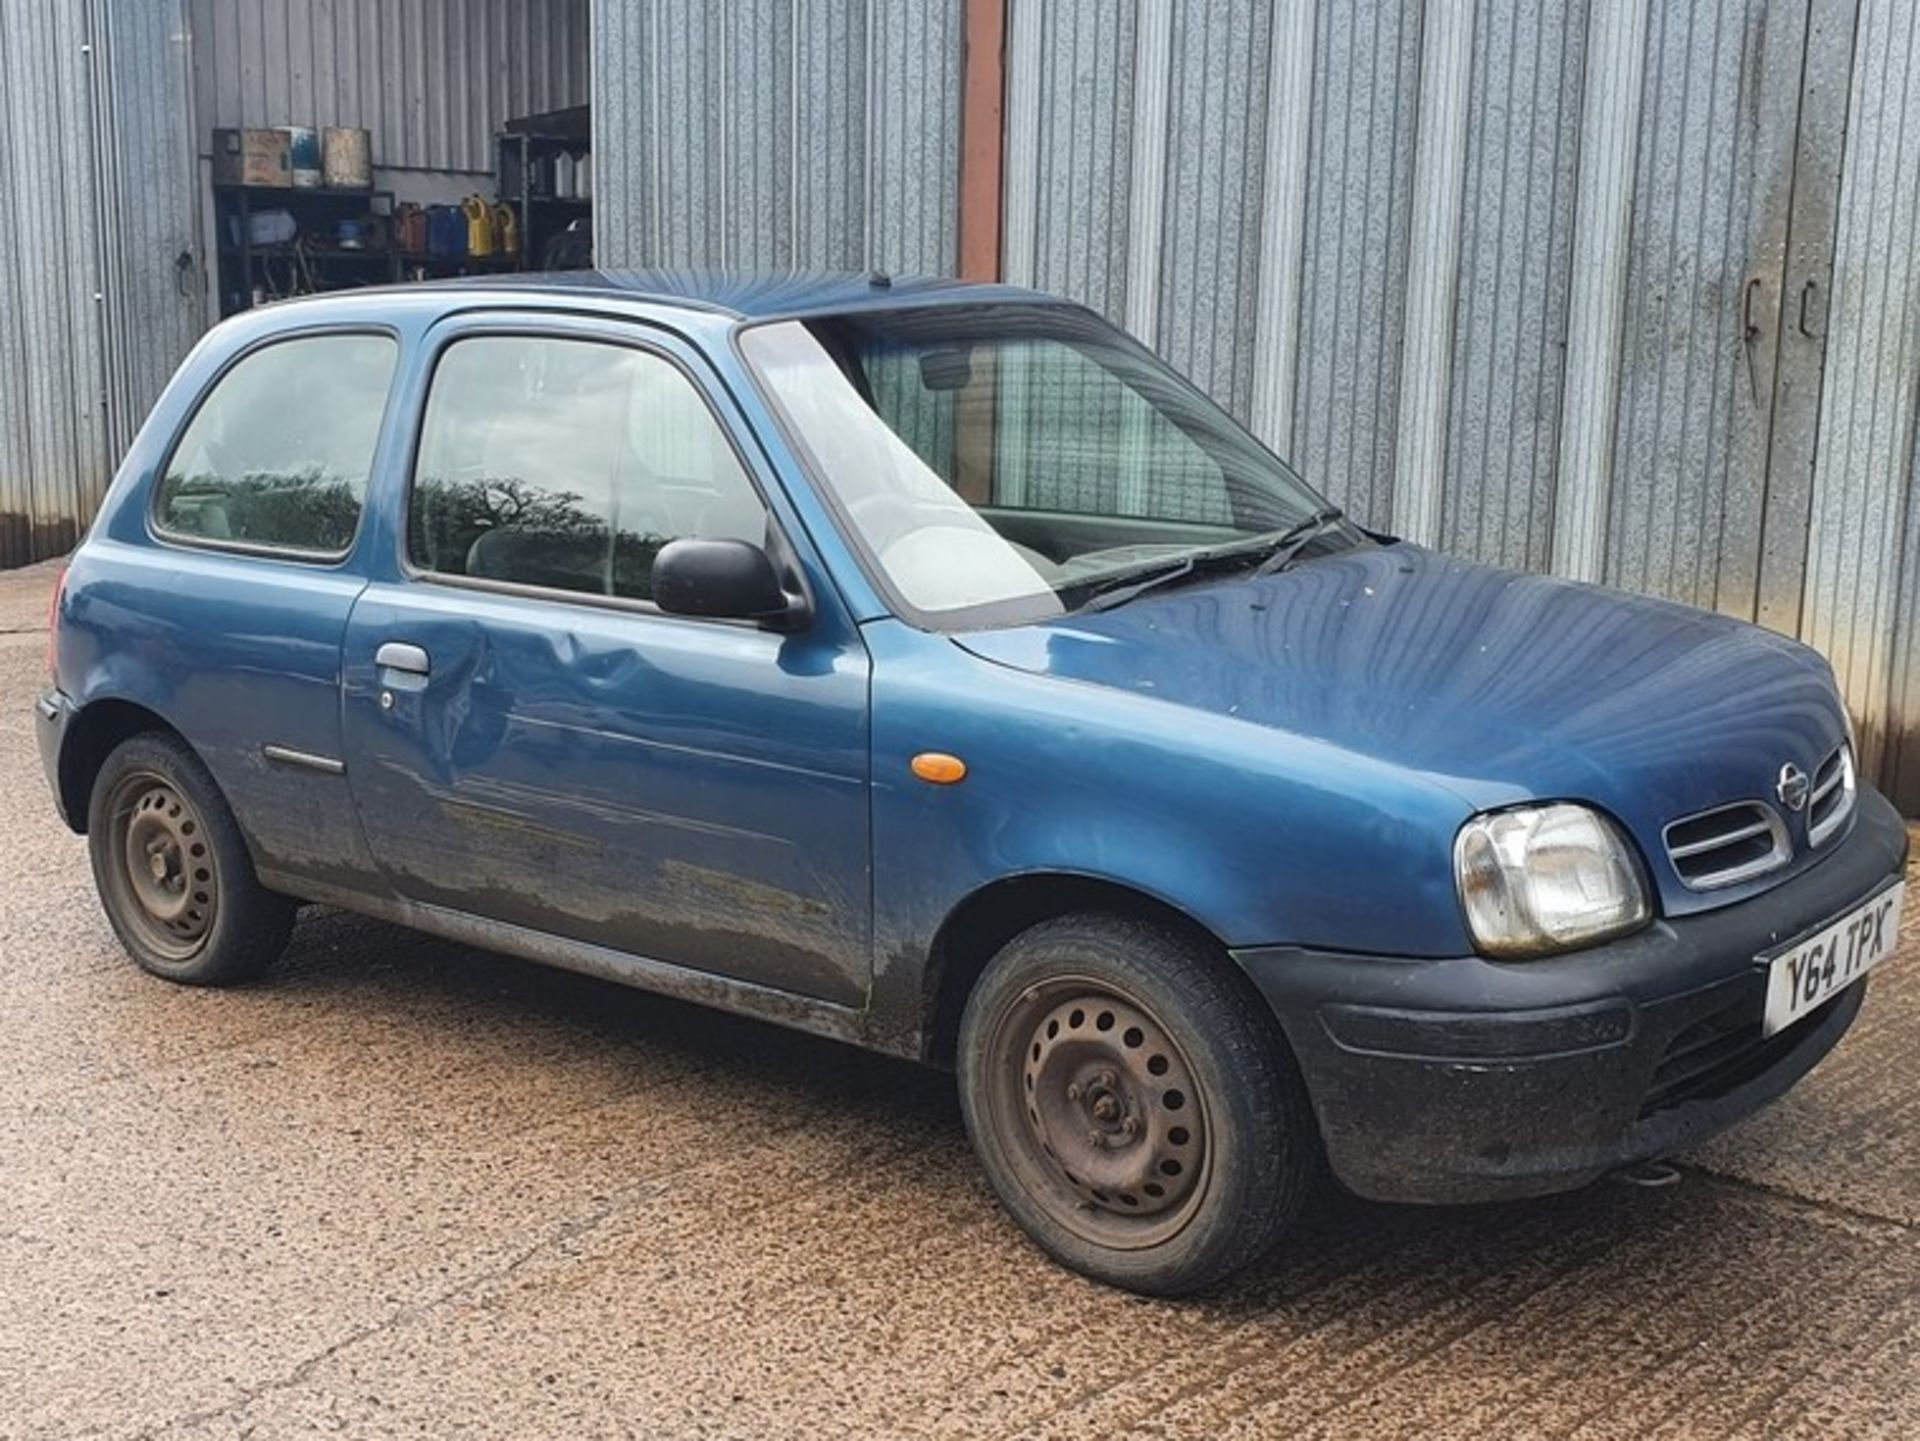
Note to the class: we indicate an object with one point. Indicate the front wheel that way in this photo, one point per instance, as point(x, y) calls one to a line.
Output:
point(1134, 1107)
point(173, 872)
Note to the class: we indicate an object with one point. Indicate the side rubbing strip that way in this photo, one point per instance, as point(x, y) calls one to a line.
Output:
point(286, 757)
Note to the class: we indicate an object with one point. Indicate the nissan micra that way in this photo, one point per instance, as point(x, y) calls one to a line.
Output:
point(928, 666)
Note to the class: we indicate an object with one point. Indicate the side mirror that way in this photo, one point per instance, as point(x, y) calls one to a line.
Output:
point(724, 579)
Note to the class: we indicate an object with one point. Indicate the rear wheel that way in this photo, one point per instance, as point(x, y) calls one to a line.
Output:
point(172, 871)
point(1133, 1104)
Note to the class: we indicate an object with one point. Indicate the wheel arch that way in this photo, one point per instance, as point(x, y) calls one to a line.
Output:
point(90, 738)
point(984, 920)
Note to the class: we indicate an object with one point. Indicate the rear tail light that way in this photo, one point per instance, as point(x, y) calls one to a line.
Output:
point(53, 626)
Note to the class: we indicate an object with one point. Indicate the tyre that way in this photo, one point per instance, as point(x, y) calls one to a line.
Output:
point(1134, 1105)
point(172, 871)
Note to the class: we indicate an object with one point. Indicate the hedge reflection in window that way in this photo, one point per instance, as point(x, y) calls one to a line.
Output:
point(568, 464)
point(279, 453)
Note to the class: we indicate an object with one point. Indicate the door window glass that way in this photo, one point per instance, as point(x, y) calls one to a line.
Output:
point(569, 464)
point(279, 453)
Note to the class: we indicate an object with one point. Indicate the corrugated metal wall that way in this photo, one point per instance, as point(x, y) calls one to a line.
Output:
point(53, 448)
point(1353, 195)
point(1544, 284)
point(144, 187)
point(1862, 593)
point(777, 133)
point(1689, 458)
point(1270, 252)
point(1516, 258)
point(432, 79)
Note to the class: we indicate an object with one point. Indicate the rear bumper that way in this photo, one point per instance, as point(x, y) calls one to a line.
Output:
point(51, 713)
point(1467, 1080)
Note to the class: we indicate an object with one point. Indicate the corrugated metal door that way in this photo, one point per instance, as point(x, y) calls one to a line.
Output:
point(145, 199)
point(1509, 279)
point(1712, 195)
point(52, 443)
point(1860, 600)
point(99, 256)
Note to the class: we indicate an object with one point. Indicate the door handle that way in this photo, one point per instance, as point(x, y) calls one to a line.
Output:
point(405, 658)
point(1806, 294)
point(1749, 335)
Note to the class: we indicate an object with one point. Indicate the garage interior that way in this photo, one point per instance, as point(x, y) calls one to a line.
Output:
point(342, 143)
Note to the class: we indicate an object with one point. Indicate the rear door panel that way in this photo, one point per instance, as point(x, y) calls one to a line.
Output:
point(238, 653)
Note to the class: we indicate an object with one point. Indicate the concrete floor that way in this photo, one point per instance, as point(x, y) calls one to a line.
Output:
point(409, 1189)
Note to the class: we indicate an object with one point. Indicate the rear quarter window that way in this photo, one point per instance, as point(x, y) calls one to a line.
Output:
point(279, 452)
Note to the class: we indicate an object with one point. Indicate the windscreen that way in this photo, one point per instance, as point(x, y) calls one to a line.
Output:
point(1004, 462)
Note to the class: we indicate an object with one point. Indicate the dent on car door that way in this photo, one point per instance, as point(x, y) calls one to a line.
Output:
point(532, 742)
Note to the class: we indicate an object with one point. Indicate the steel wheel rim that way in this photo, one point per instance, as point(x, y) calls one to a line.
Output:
point(162, 866)
point(1102, 1112)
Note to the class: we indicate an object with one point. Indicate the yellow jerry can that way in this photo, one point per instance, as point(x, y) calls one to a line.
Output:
point(479, 225)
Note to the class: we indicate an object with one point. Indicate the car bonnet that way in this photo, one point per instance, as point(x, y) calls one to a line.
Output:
point(1504, 686)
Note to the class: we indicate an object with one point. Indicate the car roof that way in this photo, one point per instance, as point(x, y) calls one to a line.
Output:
point(740, 295)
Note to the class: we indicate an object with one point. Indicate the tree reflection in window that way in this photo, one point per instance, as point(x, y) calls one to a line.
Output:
point(307, 510)
point(280, 451)
point(508, 529)
point(568, 465)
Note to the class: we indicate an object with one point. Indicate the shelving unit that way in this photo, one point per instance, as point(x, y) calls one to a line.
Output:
point(533, 157)
point(314, 260)
point(527, 155)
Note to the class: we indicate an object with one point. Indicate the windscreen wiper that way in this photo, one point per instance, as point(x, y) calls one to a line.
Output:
point(1297, 538)
point(1120, 589)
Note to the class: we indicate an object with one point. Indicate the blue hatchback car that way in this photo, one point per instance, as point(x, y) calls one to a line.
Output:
point(926, 665)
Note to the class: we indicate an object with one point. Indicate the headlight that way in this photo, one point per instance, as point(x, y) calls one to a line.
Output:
point(1546, 878)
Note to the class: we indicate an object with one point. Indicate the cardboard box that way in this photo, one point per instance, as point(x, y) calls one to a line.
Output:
point(252, 157)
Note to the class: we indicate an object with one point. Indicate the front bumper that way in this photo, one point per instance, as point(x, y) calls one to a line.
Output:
point(51, 713)
point(1471, 1080)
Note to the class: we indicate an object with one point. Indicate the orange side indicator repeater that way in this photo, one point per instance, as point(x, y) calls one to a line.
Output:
point(939, 768)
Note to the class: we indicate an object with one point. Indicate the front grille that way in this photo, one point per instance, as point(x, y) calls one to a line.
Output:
point(1832, 799)
point(1725, 846)
point(1721, 1053)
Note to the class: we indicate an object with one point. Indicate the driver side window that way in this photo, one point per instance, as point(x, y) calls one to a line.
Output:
point(567, 464)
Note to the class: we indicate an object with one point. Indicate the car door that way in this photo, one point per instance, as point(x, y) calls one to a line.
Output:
point(532, 741)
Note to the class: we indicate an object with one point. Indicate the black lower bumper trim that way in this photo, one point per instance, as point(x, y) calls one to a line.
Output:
point(51, 712)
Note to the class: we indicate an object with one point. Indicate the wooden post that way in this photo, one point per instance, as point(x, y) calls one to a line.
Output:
point(982, 137)
point(982, 156)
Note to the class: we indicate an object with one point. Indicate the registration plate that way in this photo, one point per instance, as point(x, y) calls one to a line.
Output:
point(1832, 958)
